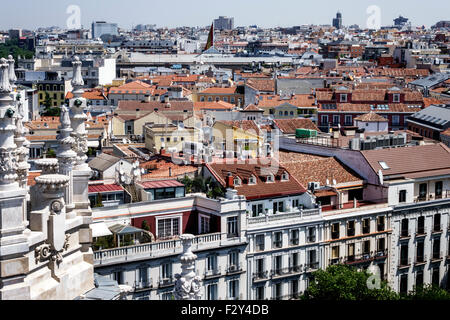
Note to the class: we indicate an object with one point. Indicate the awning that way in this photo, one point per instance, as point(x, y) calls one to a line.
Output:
point(99, 229)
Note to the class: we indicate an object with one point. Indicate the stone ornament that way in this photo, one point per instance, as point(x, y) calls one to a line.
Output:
point(187, 284)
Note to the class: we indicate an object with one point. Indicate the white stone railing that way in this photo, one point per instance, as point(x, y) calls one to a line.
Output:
point(160, 248)
point(296, 213)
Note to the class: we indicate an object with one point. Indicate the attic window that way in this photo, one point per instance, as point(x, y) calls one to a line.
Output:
point(383, 165)
point(285, 176)
point(344, 97)
point(270, 178)
point(396, 97)
point(237, 181)
point(252, 180)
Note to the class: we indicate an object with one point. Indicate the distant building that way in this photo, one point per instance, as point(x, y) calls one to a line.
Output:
point(224, 23)
point(100, 28)
point(337, 22)
point(441, 24)
point(15, 34)
point(400, 21)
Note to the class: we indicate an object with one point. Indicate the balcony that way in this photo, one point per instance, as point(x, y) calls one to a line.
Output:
point(234, 269)
point(335, 260)
point(437, 228)
point(260, 276)
point(213, 273)
point(277, 244)
point(282, 272)
point(420, 260)
point(404, 234)
point(143, 285)
point(366, 257)
point(436, 256)
point(259, 247)
point(312, 265)
point(292, 214)
point(166, 282)
point(404, 263)
point(420, 232)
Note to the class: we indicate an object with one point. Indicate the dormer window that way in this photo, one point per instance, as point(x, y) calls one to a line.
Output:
point(396, 97)
point(285, 176)
point(343, 97)
point(237, 181)
point(270, 178)
point(252, 180)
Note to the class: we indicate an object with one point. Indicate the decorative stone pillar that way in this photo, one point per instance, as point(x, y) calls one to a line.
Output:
point(13, 243)
point(81, 172)
point(66, 158)
point(187, 285)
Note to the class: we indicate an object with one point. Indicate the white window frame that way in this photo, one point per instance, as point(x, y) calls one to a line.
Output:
point(179, 216)
point(200, 217)
point(343, 97)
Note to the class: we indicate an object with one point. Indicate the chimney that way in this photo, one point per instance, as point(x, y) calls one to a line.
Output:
point(229, 180)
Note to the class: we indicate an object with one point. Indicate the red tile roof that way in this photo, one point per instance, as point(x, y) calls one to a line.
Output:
point(96, 188)
point(288, 126)
point(160, 184)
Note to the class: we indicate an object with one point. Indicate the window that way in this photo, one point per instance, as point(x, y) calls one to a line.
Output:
point(143, 275)
point(285, 176)
point(343, 97)
point(204, 224)
point(311, 234)
point(278, 264)
point(166, 271)
point(420, 251)
point(366, 226)
point(380, 223)
point(348, 120)
point(233, 259)
point(436, 248)
point(437, 222)
point(383, 165)
point(324, 119)
point(270, 178)
point(225, 99)
point(421, 225)
point(438, 189)
point(280, 113)
point(351, 228)
point(402, 196)
point(259, 293)
point(232, 227)
point(435, 277)
point(211, 291)
point(260, 267)
point(312, 259)
point(259, 242)
point(336, 119)
point(278, 206)
point(335, 231)
point(211, 263)
point(294, 237)
point(295, 203)
point(419, 278)
point(277, 239)
point(404, 229)
point(335, 254)
point(168, 227)
point(202, 98)
point(381, 244)
point(252, 180)
point(366, 247)
point(395, 120)
point(404, 255)
point(396, 97)
point(233, 287)
point(257, 209)
point(422, 191)
point(404, 283)
point(351, 252)
point(118, 276)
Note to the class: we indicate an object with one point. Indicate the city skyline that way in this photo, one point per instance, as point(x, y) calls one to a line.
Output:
point(35, 15)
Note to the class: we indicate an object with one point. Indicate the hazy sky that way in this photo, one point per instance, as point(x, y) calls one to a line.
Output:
point(30, 14)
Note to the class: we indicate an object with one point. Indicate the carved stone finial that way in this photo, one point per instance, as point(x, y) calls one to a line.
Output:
point(12, 72)
point(77, 80)
point(187, 285)
point(5, 86)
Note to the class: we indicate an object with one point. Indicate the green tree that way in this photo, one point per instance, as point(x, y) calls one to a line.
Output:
point(145, 225)
point(11, 47)
point(99, 202)
point(50, 153)
point(428, 292)
point(198, 185)
point(341, 282)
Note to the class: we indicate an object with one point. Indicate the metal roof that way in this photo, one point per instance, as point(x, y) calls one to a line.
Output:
point(161, 184)
point(124, 229)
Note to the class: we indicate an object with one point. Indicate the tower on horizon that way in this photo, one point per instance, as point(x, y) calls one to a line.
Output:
point(337, 22)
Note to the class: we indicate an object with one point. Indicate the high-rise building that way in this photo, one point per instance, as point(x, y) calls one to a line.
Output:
point(224, 23)
point(100, 28)
point(337, 22)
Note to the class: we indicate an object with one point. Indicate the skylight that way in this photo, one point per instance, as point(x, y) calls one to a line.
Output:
point(383, 165)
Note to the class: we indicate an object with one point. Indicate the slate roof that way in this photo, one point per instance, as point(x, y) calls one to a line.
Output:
point(103, 161)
